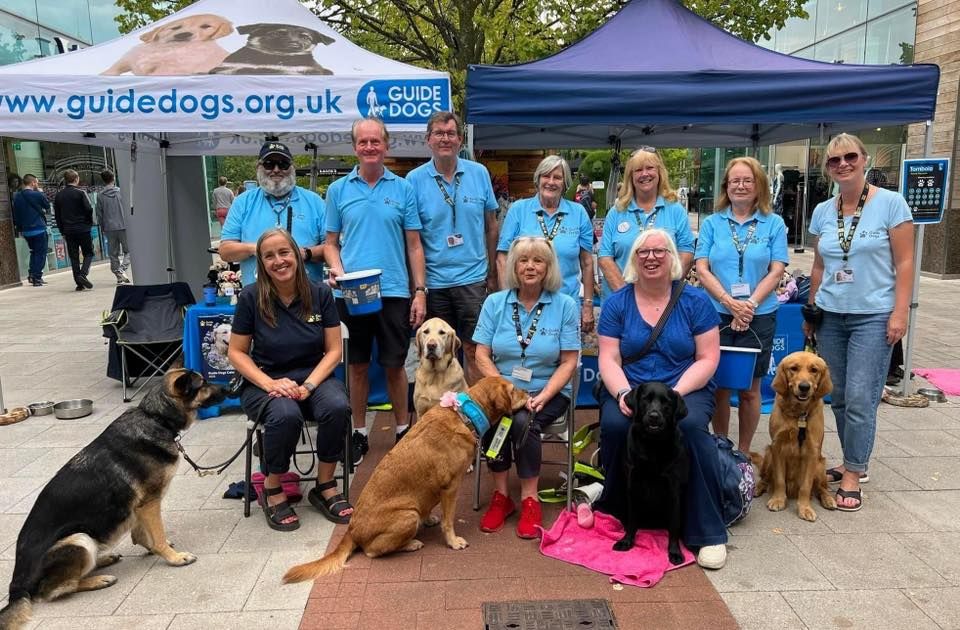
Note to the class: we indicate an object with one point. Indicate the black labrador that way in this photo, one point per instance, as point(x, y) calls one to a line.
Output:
point(656, 467)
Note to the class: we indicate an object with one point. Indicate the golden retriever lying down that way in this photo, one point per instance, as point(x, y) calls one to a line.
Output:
point(793, 466)
point(439, 371)
point(423, 469)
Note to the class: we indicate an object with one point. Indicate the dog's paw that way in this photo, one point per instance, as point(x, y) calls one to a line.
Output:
point(457, 543)
point(96, 582)
point(181, 559)
point(759, 489)
point(807, 513)
point(828, 501)
point(676, 557)
point(431, 520)
point(413, 545)
point(623, 545)
point(776, 504)
point(108, 559)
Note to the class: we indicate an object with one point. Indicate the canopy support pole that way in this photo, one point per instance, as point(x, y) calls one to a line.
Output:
point(313, 165)
point(470, 154)
point(133, 171)
point(915, 293)
point(165, 202)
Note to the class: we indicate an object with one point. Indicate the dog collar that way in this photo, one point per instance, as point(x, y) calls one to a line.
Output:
point(469, 411)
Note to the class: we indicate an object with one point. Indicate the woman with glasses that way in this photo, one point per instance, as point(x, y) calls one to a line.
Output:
point(860, 288)
point(684, 357)
point(528, 334)
point(562, 222)
point(741, 255)
point(645, 200)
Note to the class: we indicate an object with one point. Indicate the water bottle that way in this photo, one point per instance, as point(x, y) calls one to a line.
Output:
point(210, 294)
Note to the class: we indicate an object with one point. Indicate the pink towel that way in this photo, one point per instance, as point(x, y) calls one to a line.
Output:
point(643, 566)
point(289, 481)
point(943, 378)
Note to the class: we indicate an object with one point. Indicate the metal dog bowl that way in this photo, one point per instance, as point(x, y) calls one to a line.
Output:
point(76, 408)
point(932, 393)
point(44, 408)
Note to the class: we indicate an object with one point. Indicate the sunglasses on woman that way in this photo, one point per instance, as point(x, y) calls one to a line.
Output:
point(850, 158)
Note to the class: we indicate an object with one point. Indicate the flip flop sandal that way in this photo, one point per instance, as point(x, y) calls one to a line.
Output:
point(850, 494)
point(330, 508)
point(277, 513)
point(834, 476)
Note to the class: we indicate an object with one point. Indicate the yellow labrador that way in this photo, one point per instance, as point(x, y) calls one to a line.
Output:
point(184, 46)
point(439, 370)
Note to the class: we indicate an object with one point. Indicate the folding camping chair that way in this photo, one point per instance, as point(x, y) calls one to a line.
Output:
point(145, 328)
point(255, 432)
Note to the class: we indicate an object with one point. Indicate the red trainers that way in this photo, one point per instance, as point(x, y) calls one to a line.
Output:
point(530, 518)
point(500, 508)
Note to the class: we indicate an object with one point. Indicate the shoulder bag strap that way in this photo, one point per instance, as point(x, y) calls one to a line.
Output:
point(659, 327)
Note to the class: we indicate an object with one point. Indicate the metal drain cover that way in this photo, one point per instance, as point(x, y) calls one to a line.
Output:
point(569, 614)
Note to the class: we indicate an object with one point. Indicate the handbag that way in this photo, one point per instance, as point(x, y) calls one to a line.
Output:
point(598, 387)
point(737, 481)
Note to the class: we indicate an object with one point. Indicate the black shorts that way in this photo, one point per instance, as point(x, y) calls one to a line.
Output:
point(390, 327)
point(459, 307)
point(764, 326)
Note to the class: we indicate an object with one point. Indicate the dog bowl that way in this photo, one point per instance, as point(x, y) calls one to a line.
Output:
point(932, 393)
point(44, 408)
point(76, 408)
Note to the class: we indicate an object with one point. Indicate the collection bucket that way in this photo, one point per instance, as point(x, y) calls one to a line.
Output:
point(735, 370)
point(361, 291)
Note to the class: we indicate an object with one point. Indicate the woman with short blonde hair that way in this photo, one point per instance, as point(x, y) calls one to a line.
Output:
point(646, 200)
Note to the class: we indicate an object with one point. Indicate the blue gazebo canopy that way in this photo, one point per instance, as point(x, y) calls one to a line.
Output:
point(656, 73)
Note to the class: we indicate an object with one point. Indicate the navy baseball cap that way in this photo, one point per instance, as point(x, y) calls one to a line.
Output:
point(275, 148)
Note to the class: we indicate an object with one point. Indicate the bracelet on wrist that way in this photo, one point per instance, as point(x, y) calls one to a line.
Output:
point(622, 392)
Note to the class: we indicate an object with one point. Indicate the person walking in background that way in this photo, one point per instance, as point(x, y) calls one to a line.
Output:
point(74, 217)
point(30, 207)
point(645, 200)
point(860, 288)
point(741, 255)
point(113, 225)
point(222, 198)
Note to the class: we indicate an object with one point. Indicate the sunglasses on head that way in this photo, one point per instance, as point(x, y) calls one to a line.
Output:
point(645, 149)
point(849, 158)
point(269, 165)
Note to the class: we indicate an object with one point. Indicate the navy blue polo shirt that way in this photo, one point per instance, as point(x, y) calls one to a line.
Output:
point(295, 343)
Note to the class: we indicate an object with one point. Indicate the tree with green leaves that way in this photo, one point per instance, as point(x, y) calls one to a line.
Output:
point(451, 34)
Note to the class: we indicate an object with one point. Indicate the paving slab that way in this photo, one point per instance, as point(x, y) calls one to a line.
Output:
point(767, 562)
point(763, 611)
point(939, 550)
point(939, 508)
point(942, 605)
point(279, 619)
point(889, 609)
point(927, 473)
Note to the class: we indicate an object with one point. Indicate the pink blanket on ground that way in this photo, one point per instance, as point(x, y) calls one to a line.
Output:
point(643, 566)
point(944, 378)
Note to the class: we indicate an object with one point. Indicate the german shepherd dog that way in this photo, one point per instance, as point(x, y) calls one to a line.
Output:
point(112, 486)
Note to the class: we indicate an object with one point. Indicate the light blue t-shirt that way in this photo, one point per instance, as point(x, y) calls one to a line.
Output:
point(574, 235)
point(621, 229)
point(768, 244)
point(372, 224)
point(254, 212)
point(674, 350)
point(558, 329)
point(465, 263)
point(870, 257)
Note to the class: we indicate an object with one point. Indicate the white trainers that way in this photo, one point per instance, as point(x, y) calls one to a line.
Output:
point(712, 556)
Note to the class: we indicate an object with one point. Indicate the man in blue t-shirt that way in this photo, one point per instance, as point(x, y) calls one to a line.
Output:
point(278, 202)
point(372, 223)
point(30, 207)
point(458, 211)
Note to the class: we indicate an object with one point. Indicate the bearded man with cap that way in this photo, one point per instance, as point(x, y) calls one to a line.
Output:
point(277, 202)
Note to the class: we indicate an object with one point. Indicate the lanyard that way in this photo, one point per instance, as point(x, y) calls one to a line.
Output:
point(741, 247)
point(846, 241)
point(543, 226)
point(278, 209)
point(538, 311)
point(451, 201)
point(650, 219)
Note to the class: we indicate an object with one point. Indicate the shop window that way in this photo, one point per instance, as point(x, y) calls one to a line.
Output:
point(18, 40)
point(27, 9)
point(834, 16)
point(798, 32)
point(879, 7)
point(70, 17)
point(890, 39)
point(102, 14)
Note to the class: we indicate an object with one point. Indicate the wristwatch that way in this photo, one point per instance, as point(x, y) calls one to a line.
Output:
point(307, 385)
point(420, 290)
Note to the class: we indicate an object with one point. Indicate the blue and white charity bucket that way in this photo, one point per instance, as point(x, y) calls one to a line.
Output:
point(361, 291)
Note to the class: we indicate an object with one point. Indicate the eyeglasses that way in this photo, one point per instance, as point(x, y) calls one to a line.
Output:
point(269, 165)
point(850, 158)
point(445, 135)
point(645, 149)
point(746, 182)
point(657, 252)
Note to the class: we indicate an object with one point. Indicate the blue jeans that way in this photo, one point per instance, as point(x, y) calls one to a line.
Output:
point(704, 525)
point(856, 351)
point(38, 254)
